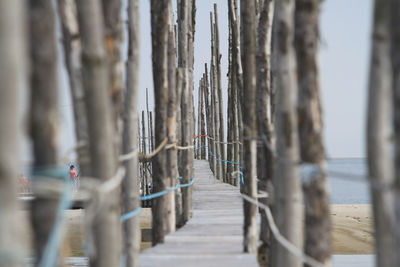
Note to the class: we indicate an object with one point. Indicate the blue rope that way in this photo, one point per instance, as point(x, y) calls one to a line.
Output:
point(223, 160)
point(135, 212)
point(130, 215)
point(52, 247)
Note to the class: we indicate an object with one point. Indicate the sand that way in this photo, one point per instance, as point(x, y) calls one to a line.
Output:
point(352, 230)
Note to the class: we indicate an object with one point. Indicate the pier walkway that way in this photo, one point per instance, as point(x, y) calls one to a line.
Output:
point(214, 235)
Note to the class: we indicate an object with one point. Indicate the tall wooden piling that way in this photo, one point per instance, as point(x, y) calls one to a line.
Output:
point(44, 113)
point(265, 160)
point(184, 38)
point(130, 141)
point(159, 34)
point(247, 10)
point(287, 187)
point(172, 156)
point(318, 239)
point(107, 229)
point(13, 71)
point(379, 133)
point(218, 87)
point(395, 59)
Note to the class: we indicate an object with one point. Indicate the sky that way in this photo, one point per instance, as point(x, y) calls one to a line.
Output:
point(344, 63)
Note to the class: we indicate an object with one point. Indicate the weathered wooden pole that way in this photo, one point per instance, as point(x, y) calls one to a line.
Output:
point(218, 173)
point(44, 113)
point(379, 133)
point(159, 34)
point(218, 88)
point(197, 135)
point(265, 161)
point(207, 103)
point(247, 10)
point(288, 195)
point(106, 230)
point(318, 239)
point(130, 141)
point(230, 132)
point(113, 41)
point(202, 123)
point(178, 123)
point(72, 52)
point(172, 155)
point(237, 83)
point(13, 71)
point(184, 37)
point(395, 60)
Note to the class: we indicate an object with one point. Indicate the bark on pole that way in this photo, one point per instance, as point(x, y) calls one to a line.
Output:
point(72, 52)
point(172, 155)
point(237, 82)
point(106, 229)
point(379, 133)
point(44, 112)
point(130, 141)
point(395, 57)
point(202, 123)
point(215, 104)
point(13, 70)
point(113, 40)
point(159, 34)
point(219, 92)
point(265, 161)
point(208, 115)
point(247, 10)
point(288, 195)
point(186, 113)
point(318, 237)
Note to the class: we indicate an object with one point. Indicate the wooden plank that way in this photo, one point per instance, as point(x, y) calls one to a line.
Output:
point(214, 236)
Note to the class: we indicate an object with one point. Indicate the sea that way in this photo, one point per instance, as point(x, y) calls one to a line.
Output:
point(347, 181)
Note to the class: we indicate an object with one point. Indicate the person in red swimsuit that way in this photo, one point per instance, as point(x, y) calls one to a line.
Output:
point(74, 178)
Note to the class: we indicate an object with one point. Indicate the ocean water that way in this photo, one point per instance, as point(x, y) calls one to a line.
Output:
point(348, 190)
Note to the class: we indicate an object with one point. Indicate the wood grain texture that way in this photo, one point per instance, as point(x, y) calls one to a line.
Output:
point(214, 235)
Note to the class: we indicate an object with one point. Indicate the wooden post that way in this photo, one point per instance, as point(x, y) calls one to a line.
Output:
point(247, 10)
point(198, 138)
point(131, 190)
point(44, 113)
point(379, 134)
point(215, 104)
point(318, 240)
point(107, 229)
point(237, 82)
point(13, 71)
point(72, 52)
point(178, 122)
point(395, 57)
point(218, 88)
point(159, 34)
point(288, 195)
point(186, 116)
point(113, 41)
point(202, 123)
point(172, 155)
point(265, 160)
point(207, 103)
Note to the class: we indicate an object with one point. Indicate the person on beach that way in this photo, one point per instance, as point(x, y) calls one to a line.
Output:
point(75, 179)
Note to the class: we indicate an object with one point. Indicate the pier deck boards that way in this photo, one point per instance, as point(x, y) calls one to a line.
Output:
point(214, 235)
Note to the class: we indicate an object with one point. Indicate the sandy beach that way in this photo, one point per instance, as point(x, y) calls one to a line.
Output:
point(352, 230)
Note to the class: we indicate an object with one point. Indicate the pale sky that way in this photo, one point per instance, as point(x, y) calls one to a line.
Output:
point(344, 64)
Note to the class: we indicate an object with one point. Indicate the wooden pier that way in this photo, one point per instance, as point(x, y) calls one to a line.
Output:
point(214, 235)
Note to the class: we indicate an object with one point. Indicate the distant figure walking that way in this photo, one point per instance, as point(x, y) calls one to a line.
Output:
point(74, 178)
